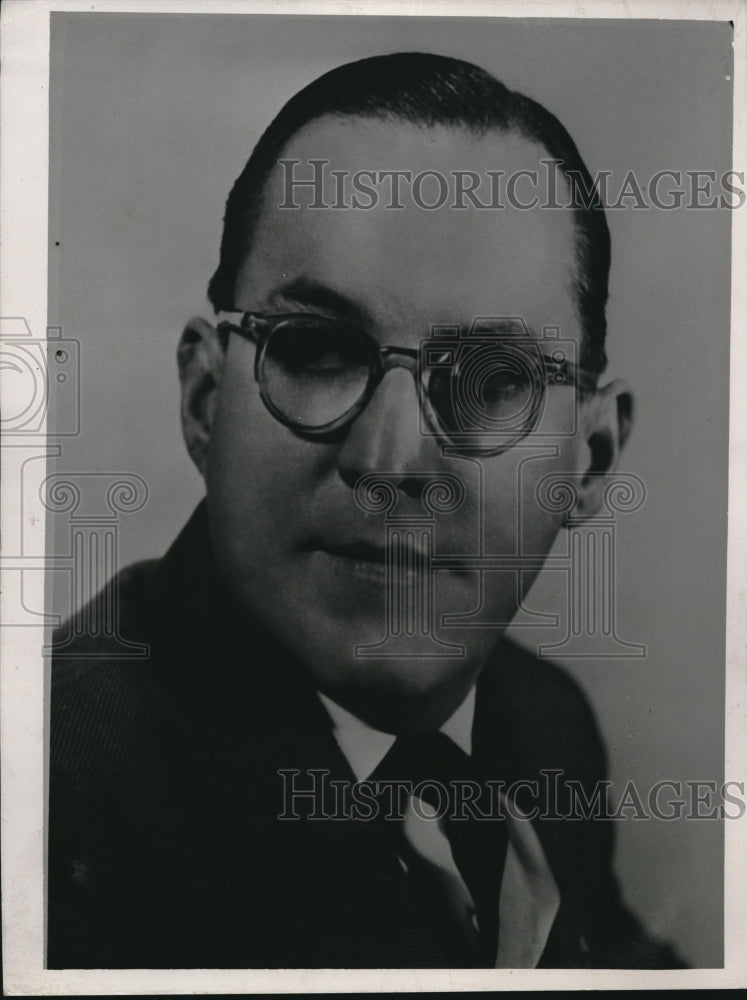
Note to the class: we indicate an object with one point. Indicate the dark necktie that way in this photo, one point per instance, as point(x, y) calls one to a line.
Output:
point(438, 771)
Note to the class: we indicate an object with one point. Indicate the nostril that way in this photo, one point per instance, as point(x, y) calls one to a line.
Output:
point(413, 486)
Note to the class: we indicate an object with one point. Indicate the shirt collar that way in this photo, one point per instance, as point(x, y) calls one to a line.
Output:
point(365, 747)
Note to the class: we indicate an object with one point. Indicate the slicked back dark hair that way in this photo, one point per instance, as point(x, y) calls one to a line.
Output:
point(427, 90)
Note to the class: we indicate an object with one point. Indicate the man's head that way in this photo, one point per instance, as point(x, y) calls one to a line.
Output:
point(293, 541)
point(427, 90)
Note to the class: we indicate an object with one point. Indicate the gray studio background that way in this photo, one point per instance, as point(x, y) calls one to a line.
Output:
point(153, 117)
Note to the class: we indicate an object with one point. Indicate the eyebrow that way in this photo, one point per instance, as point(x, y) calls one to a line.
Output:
point(311, 294)
point(308, 293)
point(502, 324)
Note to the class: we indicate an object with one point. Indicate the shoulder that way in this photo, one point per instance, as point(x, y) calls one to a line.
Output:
point(101, 653)
point(112, 621)
point(538, 688)
point(541, 712)
point(109, 703)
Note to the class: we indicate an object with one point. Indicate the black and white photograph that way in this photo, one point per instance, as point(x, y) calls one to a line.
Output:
point(373, 545)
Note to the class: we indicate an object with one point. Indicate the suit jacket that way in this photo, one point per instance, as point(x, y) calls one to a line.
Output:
point(165, 847)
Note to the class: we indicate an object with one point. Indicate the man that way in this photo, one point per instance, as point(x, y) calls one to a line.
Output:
point(381, 388)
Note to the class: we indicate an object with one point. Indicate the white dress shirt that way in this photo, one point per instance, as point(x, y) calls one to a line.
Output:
point(529, 896)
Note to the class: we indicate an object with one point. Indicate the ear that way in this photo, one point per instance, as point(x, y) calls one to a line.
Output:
point(607, 419)
point(200, 357)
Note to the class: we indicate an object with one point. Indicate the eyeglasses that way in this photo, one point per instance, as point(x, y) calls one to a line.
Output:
point(482, 392)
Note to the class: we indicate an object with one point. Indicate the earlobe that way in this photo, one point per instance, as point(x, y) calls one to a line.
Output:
point(607, 422)
point(200, 358)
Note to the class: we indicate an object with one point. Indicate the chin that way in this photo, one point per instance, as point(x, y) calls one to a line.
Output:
point(394, 692)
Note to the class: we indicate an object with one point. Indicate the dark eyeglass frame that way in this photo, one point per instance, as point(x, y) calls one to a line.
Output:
point(258, 328)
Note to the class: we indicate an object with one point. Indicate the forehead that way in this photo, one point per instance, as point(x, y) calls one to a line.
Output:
point(414, 263)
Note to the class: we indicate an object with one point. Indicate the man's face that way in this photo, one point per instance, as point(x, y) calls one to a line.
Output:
point(293, 544)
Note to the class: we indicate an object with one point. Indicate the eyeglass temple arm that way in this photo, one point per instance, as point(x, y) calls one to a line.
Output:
point(575, 374)
point(249, 325)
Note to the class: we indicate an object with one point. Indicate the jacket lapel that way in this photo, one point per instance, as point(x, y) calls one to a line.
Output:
point(514, 747)
point(318, 891)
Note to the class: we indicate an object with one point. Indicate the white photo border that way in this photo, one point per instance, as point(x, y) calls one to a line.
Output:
point(24, 109)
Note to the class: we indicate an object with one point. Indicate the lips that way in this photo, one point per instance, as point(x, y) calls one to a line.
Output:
point(355, 562)
point(357, 551)
point(366, 551)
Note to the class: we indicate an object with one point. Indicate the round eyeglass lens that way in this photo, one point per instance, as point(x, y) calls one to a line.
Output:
point(491, 393)
point(313, 372)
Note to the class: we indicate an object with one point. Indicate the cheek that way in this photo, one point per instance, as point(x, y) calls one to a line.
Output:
point(241, 437)
point(515, 513)
point(255, 475)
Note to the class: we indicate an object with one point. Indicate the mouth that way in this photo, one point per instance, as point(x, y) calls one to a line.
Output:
point(357, 551)
point(369, 561)
point(401, 552)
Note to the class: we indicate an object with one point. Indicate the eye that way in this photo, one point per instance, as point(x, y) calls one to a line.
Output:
point(309, 348)
point(502, 385)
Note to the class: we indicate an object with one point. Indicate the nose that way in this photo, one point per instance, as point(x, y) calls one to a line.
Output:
point(387, 436)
